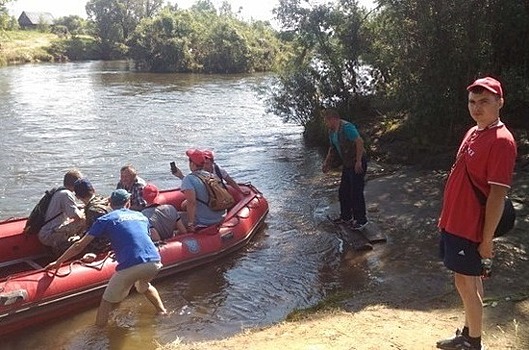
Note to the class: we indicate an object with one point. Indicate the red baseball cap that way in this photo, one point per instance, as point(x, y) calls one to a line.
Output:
point(150, 193)
point(488, 83)
point(208, 154)
point(196, 156)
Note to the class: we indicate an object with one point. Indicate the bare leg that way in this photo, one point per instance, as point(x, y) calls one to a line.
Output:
point(105, 307)
point(470, 289)
point(152, 295)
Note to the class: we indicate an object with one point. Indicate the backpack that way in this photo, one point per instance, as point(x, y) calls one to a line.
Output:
point(219, 197)
point(37, 218)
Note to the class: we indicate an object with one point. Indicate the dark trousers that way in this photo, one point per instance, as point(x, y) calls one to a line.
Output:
point(351, 194)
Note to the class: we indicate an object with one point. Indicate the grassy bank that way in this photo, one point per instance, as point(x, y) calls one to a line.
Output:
point(23, 46)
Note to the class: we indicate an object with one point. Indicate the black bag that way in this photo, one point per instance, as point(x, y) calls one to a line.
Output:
point(507, 219)
point(37, 218)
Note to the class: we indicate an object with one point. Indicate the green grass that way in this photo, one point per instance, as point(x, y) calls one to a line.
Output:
point(24, 46)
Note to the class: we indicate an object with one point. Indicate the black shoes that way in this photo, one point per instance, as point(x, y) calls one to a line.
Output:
point(459, 342)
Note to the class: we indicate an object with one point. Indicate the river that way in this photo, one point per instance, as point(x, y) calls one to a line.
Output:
point(99, 116)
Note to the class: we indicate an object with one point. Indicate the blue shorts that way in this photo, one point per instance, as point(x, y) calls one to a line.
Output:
point(459, 254)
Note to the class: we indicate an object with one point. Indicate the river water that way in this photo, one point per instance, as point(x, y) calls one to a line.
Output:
point(99, 116)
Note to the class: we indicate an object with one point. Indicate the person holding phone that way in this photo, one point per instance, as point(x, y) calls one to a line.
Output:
point(199, 214)
point(176, 171)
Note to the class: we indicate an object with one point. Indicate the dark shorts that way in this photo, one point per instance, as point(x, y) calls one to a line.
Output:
point(460, 255)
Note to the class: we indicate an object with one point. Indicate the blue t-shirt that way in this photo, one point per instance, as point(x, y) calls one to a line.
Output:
point(204, 215)
point(128, 231)
point(351, 133)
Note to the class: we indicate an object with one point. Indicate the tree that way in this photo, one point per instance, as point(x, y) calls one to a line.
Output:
point(115, 20)
point(200, 40)
point(428, 51)
point(328, 41)
point(163, 44)
point(5, 22)
point(74, 24)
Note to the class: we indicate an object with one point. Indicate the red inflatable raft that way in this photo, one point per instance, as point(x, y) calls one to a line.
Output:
point(31, 295)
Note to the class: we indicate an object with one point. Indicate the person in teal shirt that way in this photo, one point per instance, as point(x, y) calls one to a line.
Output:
point(347, 147)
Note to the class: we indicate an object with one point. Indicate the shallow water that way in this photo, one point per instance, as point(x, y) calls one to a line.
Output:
point(98, 116)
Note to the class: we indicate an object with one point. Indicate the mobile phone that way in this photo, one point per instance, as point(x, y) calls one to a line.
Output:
point(174, 169)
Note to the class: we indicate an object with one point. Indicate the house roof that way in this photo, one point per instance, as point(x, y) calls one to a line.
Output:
point(38, 17)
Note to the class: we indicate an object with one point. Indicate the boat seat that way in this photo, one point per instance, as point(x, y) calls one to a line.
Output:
point(30, 260)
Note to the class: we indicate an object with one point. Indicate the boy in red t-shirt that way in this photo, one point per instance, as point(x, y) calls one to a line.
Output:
point(486, 159)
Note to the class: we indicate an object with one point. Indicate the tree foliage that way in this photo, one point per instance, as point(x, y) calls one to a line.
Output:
point(428, 51)
point(74, 24)
point(4, 15)
point(325, 69)
point(202, 40)
point(115, 20)
point(418, 55)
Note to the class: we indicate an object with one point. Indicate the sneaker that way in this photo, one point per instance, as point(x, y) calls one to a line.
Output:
point(359, 226)
point(459, 342)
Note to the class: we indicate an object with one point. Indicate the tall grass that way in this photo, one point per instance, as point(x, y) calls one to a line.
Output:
point(23, 46)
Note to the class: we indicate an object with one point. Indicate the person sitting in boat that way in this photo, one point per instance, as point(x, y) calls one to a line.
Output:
point(94, 207)
point(63, 217)
point(164, 219)
point(138, 259)
point(130, 181)
point(212, 167)
point(196, 194)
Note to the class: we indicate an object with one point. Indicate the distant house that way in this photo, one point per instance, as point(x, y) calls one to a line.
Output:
point(30, 20)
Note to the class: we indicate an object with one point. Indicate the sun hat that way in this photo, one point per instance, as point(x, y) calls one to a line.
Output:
point(196, 156)
point(150, 193)
point(488, 83)
point(82, 188)
point(119, 197)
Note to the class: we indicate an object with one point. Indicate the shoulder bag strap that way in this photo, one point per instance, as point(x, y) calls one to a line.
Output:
point(201, 178)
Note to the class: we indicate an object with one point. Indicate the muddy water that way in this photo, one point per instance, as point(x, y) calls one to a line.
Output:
point(99, 116)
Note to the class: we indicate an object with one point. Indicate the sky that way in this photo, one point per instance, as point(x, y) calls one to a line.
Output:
point(251, 9)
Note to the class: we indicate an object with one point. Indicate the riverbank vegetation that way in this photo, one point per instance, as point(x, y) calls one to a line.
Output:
point(399, 71)
point(158, 38)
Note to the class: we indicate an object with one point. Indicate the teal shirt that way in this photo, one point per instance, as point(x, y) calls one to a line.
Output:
point(351, 133)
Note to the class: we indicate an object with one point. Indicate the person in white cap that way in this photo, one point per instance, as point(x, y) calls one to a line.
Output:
point(485, 160)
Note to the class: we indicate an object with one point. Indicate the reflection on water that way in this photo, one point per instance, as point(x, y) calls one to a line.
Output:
point(99, 116)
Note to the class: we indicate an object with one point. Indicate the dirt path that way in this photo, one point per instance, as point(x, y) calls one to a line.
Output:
point(411, 302)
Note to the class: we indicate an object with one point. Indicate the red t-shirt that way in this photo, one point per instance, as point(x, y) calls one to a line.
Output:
point(489, 155)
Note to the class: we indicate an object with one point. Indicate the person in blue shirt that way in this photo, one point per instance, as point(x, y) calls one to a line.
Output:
point(347, 147)
point(137, 256)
